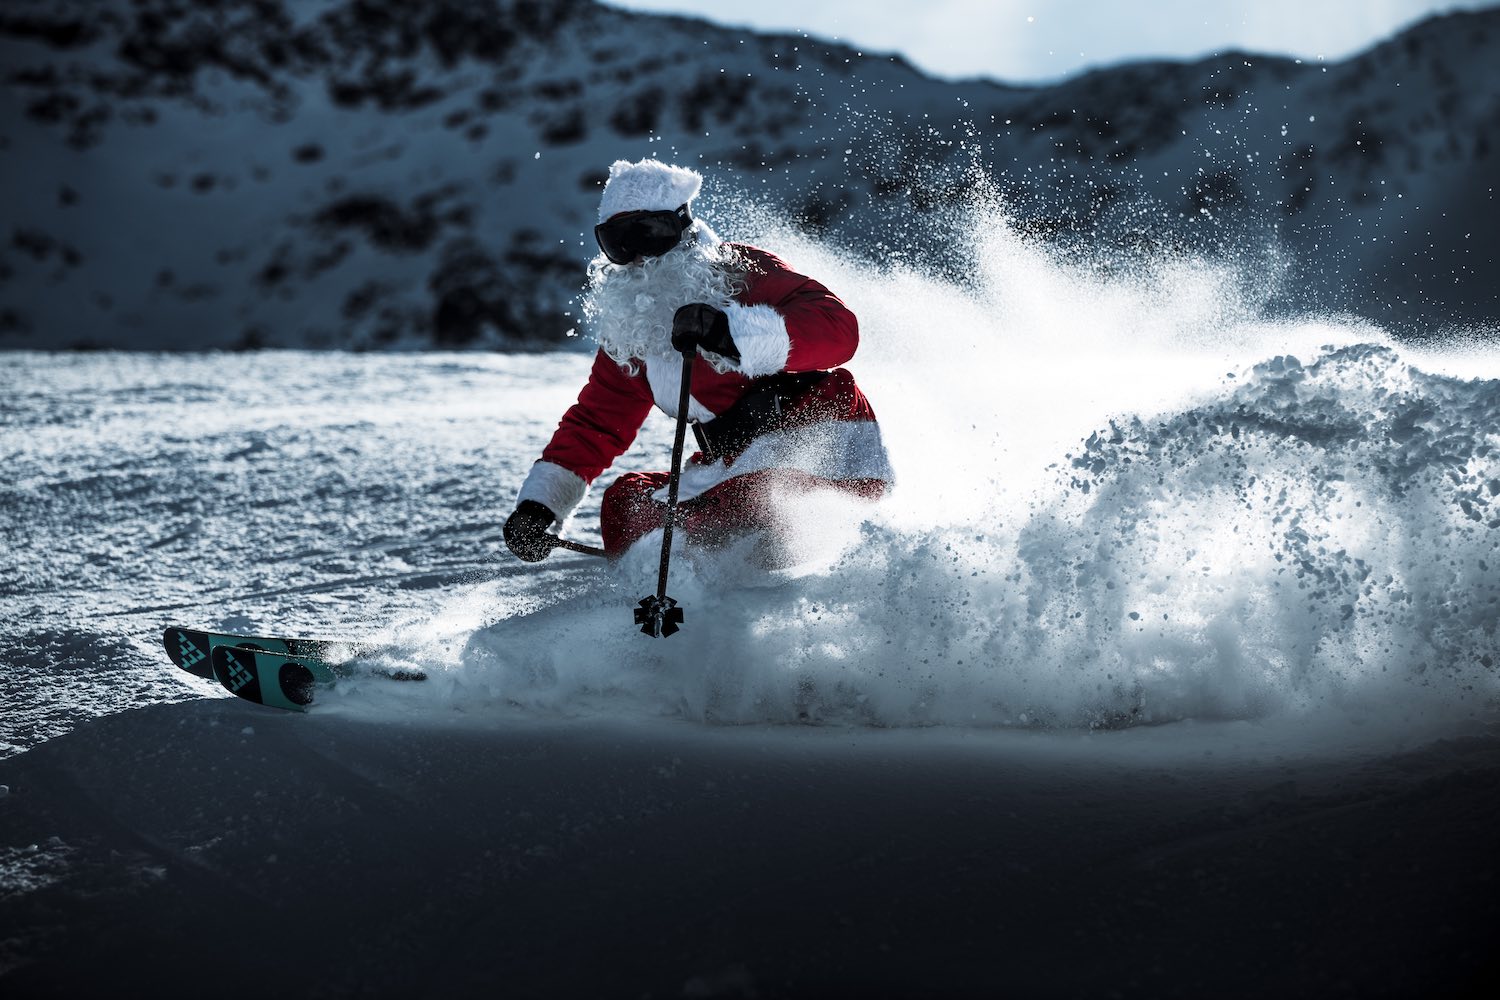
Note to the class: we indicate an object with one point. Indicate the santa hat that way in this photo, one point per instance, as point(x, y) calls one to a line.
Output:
point(647, 186)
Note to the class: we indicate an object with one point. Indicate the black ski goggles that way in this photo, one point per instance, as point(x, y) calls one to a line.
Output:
point(641, 234)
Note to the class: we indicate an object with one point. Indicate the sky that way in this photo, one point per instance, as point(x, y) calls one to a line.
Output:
point(1038, 40)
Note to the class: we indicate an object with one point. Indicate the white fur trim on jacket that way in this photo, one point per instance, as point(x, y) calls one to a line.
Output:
point(664, 375)
point(760, 334)
point(559, 490)
point(647, 186)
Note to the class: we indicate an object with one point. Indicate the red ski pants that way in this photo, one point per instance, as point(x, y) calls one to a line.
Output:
point(727, 511)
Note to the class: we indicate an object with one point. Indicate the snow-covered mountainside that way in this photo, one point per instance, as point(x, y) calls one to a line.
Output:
point(376, 173)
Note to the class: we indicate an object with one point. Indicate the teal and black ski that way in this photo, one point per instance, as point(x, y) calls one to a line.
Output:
point(280, 680)
point(277, 671)
point(192, 649)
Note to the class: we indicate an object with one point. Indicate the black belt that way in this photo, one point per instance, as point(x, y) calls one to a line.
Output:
point(757, 411)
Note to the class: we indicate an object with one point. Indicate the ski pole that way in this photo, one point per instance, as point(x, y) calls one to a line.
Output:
point(572, 546)
point(659, 615)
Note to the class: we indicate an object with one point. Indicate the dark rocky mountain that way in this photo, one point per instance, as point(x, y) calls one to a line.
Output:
point(375, 173)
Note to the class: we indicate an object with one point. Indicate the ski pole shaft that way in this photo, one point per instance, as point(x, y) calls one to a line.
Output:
point(676, 474)
point(572, 546)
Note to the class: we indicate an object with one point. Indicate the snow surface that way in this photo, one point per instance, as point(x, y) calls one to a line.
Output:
point(1120, 500)
point(1169, 667)
point(402, 856)
point(1176, 638)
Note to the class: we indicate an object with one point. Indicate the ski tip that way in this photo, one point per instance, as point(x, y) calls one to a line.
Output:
point(188, 649)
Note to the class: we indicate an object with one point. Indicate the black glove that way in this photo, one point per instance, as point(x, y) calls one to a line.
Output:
point(526, 531)
point(699, 326)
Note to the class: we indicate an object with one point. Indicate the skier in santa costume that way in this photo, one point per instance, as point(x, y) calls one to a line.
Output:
point(773, 413)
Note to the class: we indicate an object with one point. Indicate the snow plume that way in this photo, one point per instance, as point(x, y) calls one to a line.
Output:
point(630, 307)
point(1124, 497)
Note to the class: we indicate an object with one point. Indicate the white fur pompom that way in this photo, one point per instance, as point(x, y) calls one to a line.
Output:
point(647, 186)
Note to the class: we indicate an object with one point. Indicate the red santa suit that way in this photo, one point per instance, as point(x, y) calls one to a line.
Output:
point(823, 437)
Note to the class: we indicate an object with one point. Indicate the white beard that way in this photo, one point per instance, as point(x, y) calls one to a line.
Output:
point(631, 306)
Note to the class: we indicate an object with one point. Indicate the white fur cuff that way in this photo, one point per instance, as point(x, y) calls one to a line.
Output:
point(559, 490)
point(760, 334)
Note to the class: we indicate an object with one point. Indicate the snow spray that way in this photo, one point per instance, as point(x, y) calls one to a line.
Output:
point(1122, 497)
